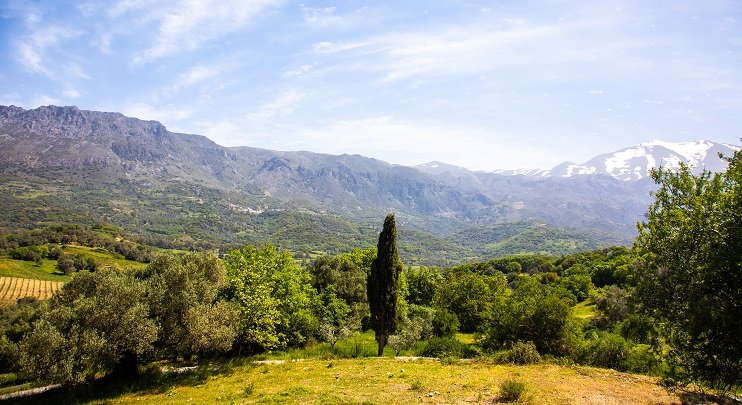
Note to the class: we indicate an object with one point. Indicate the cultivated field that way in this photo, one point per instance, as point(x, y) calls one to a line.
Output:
point(13, 288)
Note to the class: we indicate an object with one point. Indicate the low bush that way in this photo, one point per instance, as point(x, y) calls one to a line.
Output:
point(443, 347)
point(513, 391)
point(521, 353)
point(607, 350)
point(471, 352)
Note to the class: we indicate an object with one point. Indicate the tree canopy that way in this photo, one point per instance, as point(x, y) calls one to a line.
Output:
point(692, 279)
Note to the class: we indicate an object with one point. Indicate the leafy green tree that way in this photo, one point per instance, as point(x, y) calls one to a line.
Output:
point(346, 275)
point(66, 264)
point(533, 312)
point(98, 322)
point(614, 305)
point(471, 297)
point(336, 321)
point(274, 296)
point(184, 301)
point(445, 323)
point(15, 321)
point(423, 283)
point(692, 278)
point(383, 284)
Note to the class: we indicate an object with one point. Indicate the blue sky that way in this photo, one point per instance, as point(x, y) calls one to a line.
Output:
point(484, 85)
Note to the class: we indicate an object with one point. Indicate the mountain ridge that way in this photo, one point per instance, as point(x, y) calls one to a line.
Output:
point(62, 163)
point(635, 162)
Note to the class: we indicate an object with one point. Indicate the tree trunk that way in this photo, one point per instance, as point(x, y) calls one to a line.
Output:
point(382, 343)
point(126, 369)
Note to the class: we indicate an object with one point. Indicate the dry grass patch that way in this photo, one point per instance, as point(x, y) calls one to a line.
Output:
point(389, 381)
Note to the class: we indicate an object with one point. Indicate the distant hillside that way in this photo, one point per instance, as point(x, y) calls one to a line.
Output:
point(62, 164)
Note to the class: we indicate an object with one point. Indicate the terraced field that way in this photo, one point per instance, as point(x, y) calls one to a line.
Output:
point(13, 288)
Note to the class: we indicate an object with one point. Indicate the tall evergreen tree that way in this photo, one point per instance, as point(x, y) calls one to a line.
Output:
point(383, 284)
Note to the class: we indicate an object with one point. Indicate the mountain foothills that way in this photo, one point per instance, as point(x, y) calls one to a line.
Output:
point(65, 165)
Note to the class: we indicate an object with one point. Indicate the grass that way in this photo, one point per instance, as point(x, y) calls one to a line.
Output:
point(48, 268)
point(103, 256)
point(24, 269)
point(465, 338)
point(513, 390)
point(383, 380)
point(585, 310)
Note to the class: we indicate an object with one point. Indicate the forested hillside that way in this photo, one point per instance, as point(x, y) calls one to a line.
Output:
point(61, 165)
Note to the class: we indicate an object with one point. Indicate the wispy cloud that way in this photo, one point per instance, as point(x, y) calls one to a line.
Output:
point(71, 94)
point(322, 16)
point(403, 142)
point(166, 114)
point(32, 49)
point(46, 100)
point(282, 104)
point(482, 46)
point(189, 24)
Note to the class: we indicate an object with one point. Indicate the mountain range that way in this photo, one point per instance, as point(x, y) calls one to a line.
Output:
point(62, 164)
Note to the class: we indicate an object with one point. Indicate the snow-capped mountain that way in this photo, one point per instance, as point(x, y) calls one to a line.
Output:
point(635, 162)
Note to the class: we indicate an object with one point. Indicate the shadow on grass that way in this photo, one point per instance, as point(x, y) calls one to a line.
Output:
point(689, 397)
point(151, 380)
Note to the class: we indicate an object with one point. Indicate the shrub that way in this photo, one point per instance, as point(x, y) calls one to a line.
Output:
point(443, 347)
point(608, 350)
point(513, 390)
point(471, 351)
point(638, 328)
point(445, 323)
point(522, 353)
point(642, 360)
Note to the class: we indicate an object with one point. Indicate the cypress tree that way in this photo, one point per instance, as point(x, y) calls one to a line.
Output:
point(383, 283)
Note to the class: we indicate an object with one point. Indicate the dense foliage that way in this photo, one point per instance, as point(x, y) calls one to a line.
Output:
point(107, 320)
point(274, 296)
point(691, 282)
point(30, 244)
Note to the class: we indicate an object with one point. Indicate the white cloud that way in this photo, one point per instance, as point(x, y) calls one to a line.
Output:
point(298, 72)
point(71, 94)
point(283, 104)
point(401, 142)
point(532, 48)
point(46, 100)
point(192, 76)
point(321, 16)
point(166, 114)
point(12, 98)
point(386, 138)
point(31, 50)
point(190, 23)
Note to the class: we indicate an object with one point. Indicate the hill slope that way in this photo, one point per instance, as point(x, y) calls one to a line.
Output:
point(62, 164)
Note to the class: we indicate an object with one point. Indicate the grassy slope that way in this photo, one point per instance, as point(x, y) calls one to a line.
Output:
point(48, 269)
point(585, 310)
point(25, 269)
point(395, 381)
point(313, 376)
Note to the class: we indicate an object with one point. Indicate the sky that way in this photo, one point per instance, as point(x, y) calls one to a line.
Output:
point(481, 84)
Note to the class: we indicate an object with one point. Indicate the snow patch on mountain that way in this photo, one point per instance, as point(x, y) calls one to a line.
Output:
point(636, 162)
